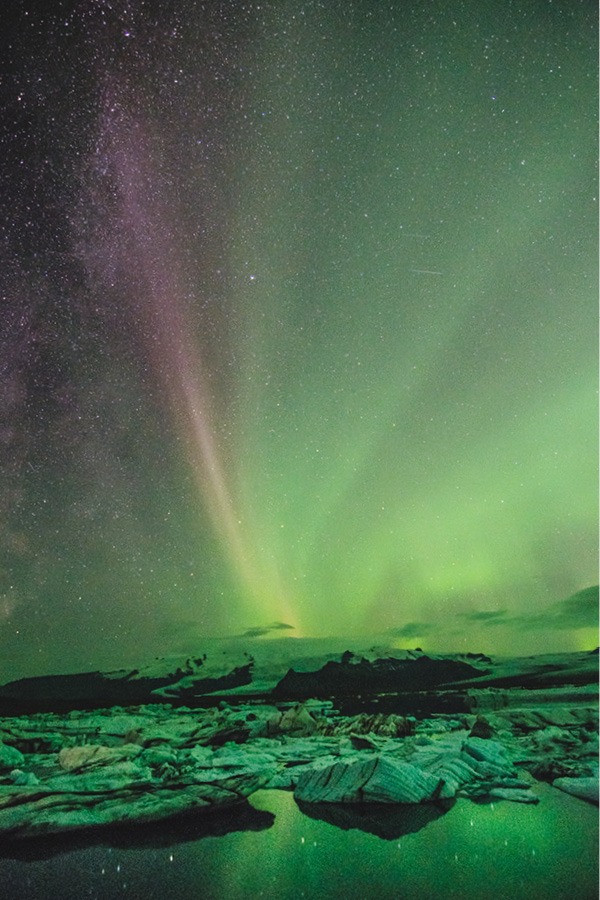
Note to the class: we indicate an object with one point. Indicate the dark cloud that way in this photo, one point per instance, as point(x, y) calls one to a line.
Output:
point(485, 617)
point(266, 629)
point(580, 610)
point(412, 630)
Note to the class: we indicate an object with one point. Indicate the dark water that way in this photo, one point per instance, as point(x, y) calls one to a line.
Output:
point(271, 849)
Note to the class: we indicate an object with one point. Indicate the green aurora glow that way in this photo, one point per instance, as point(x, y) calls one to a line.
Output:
point(382, 322)
point(416, 442)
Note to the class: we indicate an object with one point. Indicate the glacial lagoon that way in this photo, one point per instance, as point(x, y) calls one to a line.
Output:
point(269, 848)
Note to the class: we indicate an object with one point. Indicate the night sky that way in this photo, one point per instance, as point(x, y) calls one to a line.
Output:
point(298, 323)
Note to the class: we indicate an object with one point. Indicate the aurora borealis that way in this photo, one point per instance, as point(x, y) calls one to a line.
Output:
point(298, 325)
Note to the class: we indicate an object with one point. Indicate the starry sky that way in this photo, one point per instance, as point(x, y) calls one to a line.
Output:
point(298, 323)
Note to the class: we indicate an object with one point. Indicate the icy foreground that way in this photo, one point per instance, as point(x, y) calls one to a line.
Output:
point(86, 769)
point(336, 728)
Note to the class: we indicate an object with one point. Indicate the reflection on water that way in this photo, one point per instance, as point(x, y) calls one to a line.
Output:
point(387, 821)
point(270, 849)
point(180, 829)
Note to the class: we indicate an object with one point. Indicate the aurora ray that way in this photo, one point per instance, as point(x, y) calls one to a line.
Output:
point(144, 235)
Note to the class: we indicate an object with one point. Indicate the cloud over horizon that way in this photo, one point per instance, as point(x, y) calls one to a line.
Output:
point(261, 630)
point(580, 610)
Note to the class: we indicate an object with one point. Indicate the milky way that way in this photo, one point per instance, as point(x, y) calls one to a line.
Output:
point(298, 326)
